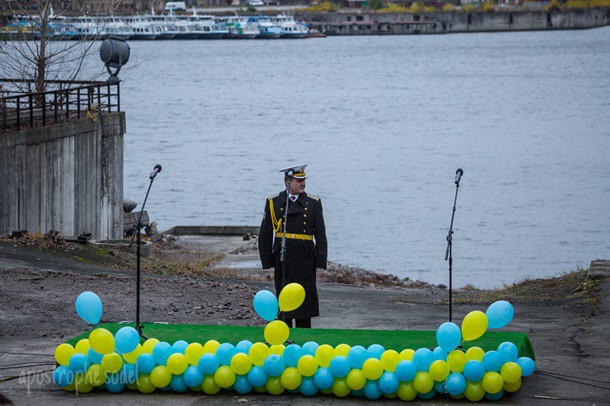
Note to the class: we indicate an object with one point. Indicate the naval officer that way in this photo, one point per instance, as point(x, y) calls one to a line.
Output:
point(306, 246)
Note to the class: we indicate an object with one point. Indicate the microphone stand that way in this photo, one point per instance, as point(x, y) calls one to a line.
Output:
point(136, 233)
point(283, 251)
point(448, 251)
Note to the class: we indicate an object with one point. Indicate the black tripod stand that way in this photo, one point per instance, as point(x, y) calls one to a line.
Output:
point(448, 253)
point(136, 234)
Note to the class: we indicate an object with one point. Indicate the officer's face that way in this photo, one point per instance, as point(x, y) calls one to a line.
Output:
point(296, 186)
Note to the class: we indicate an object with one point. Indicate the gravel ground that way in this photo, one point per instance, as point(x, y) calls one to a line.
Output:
point(38, 288)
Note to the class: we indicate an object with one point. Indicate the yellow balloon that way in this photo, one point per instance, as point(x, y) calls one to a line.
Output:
point(406, 355)
point(102, 341)
point(511, 372)
point(327, 391)
point(307, 365)
point(512, 387)
point(209, 385)
point(211, 347)
point(241, 364)
point(390, 396)
point(406, 391)
point(177, 363)
point(69, 388)
point(63, 353)
point(291, 297)
point(82, 346)
point(260, 389)
point(160, 376)
point(95, 375)
point(133, 386)
point(492, 382)
point(258, 352)
point(342, 350)
point(224, 377)
point(193, 353)
point(340, 388)
point(144, 384)
point(132, 356)
point(423, 382)
point(274, 385)
point(475, 354)
point(355, 379)
point(456, 361)
point(112, 362)
point(389, 360)
point(277, 349)
point(324, 354)
point(276, 332)
point(474, 391)
point(372, 369)
point(474, 325)
point(291, 378)
point(149, 344)
point(81, 385)
point(439, 370)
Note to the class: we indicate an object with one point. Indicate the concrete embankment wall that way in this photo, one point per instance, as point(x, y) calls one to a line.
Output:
point(65, 177)
point(454, 22)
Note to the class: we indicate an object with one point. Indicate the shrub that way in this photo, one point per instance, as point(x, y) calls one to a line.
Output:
point(324, 7)
point(488, 7)
point(447, 8)
point(416, 7)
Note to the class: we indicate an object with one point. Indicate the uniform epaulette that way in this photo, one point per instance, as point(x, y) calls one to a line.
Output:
point(316, 198)
point(273, 197)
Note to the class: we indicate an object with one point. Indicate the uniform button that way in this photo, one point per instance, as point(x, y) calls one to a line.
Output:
point(304, 215)
point(304, 222)
point(305, 208)
point(304, 231)
point(281, 208)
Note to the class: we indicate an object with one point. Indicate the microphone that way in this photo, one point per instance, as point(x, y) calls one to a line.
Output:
point(458, 175)
point(157, 169)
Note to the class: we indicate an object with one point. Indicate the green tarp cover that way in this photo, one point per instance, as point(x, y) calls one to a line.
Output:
point(390, 339)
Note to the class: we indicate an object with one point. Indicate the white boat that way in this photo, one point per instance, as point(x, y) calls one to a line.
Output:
point(268, 28)
point(290, 28)
point(241, 27)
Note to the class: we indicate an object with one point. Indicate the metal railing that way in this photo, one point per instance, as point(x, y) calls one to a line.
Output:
point(70, 100)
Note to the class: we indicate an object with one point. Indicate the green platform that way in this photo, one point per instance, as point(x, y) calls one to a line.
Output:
point(389, 339)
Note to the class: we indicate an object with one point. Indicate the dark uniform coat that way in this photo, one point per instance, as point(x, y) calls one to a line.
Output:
point(302, 256)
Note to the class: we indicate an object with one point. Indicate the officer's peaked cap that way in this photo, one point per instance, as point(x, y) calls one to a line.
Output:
point(297, 171)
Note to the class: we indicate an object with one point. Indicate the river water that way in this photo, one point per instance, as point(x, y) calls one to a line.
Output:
point(384, 122)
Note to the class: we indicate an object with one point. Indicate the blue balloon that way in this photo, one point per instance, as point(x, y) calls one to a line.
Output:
point(257, 376)
point(499, 314)
point(371, 390)
point(145, 363)
point(266, 305)
point(339, 366)
point(508, 351)
point(323, 379)
point(448, 336)
point(113, 383)
point(492, 361)
point(357, 393)
point(308, 386)
point(422, 359)
point(375, 351)
point(193, 376)
point(527, 366)
point(79, 363)
point(291, 355)
point(241, 385)
point(208, 363)
point(177, 383)
point(225, 352)
point(180, 346)
point(356, 356)
point(161, 352)
point(128, 373)
point(439, 387)
point(406, 370)
point(388, 383)
point(89, 307)
point(455, 384)
point(94, 357)
point(439, 354)
point(126, 339)
point(474, 370)
point(63, 376)
point(309, 348)
point(274, 365)
point(495, 396)
point(243, 346)
point(428, 395)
